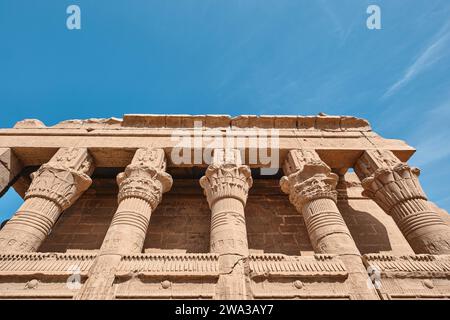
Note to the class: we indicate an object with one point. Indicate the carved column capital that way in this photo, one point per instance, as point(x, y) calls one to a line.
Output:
point(64, 178)
point(395, 187)
point(145, 178)
point(226, 177)
point(56, 185)
point(307, 178)
point(388, 180)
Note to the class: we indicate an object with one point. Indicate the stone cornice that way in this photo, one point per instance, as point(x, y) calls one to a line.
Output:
point(51, 264)
point(319, 122)
point(280, 265)
point(410, 266)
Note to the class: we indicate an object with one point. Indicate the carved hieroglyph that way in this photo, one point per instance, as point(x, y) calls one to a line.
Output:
point(226, 184)
point(395, 187)
point(312, 190)
point(55, 186)
point(141, 186)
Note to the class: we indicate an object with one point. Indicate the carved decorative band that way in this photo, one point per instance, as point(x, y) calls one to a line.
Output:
point(235, 243)
point(418, 220)
point(321, 213)
point(227, 217)
point(45, 263)
point(300, 199)
point(235, 189)
point(35, 220)
point(405, 208)
point(332, 220)
point(390, 187)
point(302, 190)
point(412, 266)
point(282, 265)
point(321, 205)
point(226, 181)
point(131, 218)
point(148, 190)
point(167, 264)
point(58, 184)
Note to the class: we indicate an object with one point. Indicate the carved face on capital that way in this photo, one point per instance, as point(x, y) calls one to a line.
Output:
point(77, 159)
point(149, 157)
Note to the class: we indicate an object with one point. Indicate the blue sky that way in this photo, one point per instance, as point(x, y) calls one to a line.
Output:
point(235, 57)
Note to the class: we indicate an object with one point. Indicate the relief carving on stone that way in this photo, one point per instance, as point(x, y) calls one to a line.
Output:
point(226, 184)
point(145, 177)
point(312, 190)
point(226, 177)
point(141, 187)
point(307, 178)
point(395, 187)
point(55, 186)
point(388, 180)
point(64, 178)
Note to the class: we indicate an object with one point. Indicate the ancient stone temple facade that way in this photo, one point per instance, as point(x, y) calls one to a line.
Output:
point(217, 207)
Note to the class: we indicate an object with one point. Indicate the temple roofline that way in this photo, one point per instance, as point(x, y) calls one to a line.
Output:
point(319, 122)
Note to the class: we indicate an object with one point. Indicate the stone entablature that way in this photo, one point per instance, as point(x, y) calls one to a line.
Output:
point(54, 167)
point(106, 139)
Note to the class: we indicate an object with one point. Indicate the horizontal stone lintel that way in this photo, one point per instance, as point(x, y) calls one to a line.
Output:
point(338, 151)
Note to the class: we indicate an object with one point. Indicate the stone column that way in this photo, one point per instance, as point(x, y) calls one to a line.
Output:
point(140, 191)
point(312, 190)
point(55, 186)
point(395, 187)
point(226, 184)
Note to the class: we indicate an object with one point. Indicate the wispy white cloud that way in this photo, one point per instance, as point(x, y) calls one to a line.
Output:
point(432, 136)
point(431, 54)
point(342, 29)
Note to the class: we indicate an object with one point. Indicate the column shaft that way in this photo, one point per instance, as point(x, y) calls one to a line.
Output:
point(30, 225)
point(140, 191)
point(228, 229)
point(128, 228)
point(226, 184)
point(326, 228)
point(312, 190)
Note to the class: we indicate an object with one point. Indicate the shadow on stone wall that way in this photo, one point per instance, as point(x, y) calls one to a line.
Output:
point(369, 233)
